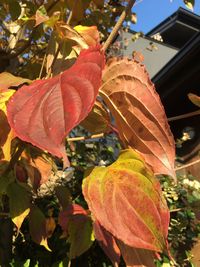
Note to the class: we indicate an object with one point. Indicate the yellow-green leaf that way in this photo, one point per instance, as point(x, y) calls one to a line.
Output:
point(127, 200)
point(4, 97)
point(190, 4)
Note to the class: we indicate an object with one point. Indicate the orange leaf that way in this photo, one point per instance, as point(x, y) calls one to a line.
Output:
point(135, 257)
point(127, 200)
point(89, 34)
point(139, 114)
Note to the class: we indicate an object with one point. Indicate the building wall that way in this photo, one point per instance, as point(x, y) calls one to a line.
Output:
point(156, 54)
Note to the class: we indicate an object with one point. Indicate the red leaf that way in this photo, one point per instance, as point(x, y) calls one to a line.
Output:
point(126, 199)
point(136, 257)
point(139, 114)
point(46, 111)
point(107, 242)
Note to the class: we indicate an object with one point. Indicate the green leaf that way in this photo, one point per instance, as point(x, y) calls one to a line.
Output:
point(19, 203)
point(80, 235)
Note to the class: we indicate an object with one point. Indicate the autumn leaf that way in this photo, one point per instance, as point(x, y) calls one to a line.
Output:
point(89, 34)
point(78, 8)
point(80, 235)
point(41, 15)
point(38, 165)
point(98, 120)
point(38, 227)
point(136, 257)
point(66, 32)
point(139, 114)
point(19, 203)
point(8, 80)
point(107, 242)
point(67, 213)
point(46, 111)
point(126, 199)
point(77, 225)
point(6, 134)
point(190, 4)
point(195, 99)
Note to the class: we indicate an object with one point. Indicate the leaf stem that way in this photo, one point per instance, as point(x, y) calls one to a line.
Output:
point(118, 25)
point(42, 67)
point(187, 165)
point(183, 116)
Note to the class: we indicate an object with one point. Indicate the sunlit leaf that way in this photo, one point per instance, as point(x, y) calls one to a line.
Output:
point(41, 16)
point(7, 80)
point(189, 4)
point(5, 94)
point(89, 34)
point(139, 114)
point(126, 199)
point(45, 112)
point(195, 99)
point(19, 203)
point(67, 32)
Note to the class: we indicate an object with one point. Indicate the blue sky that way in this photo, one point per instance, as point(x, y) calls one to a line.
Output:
point(151, 12)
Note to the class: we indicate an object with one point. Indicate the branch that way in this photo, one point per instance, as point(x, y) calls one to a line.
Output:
point(94, 136)
point(118, 25)
point(187, 165)
point(183, 116)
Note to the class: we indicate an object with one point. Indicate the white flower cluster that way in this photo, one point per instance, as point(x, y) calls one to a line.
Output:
point(194, 184)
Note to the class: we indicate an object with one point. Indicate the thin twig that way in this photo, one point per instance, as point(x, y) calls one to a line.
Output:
point(42, 67)
point(187, 165)
point(183, 116)
point(70, 17)
point(118, 25)
point(53, 62)
point(175, 210)
point(80, 138)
